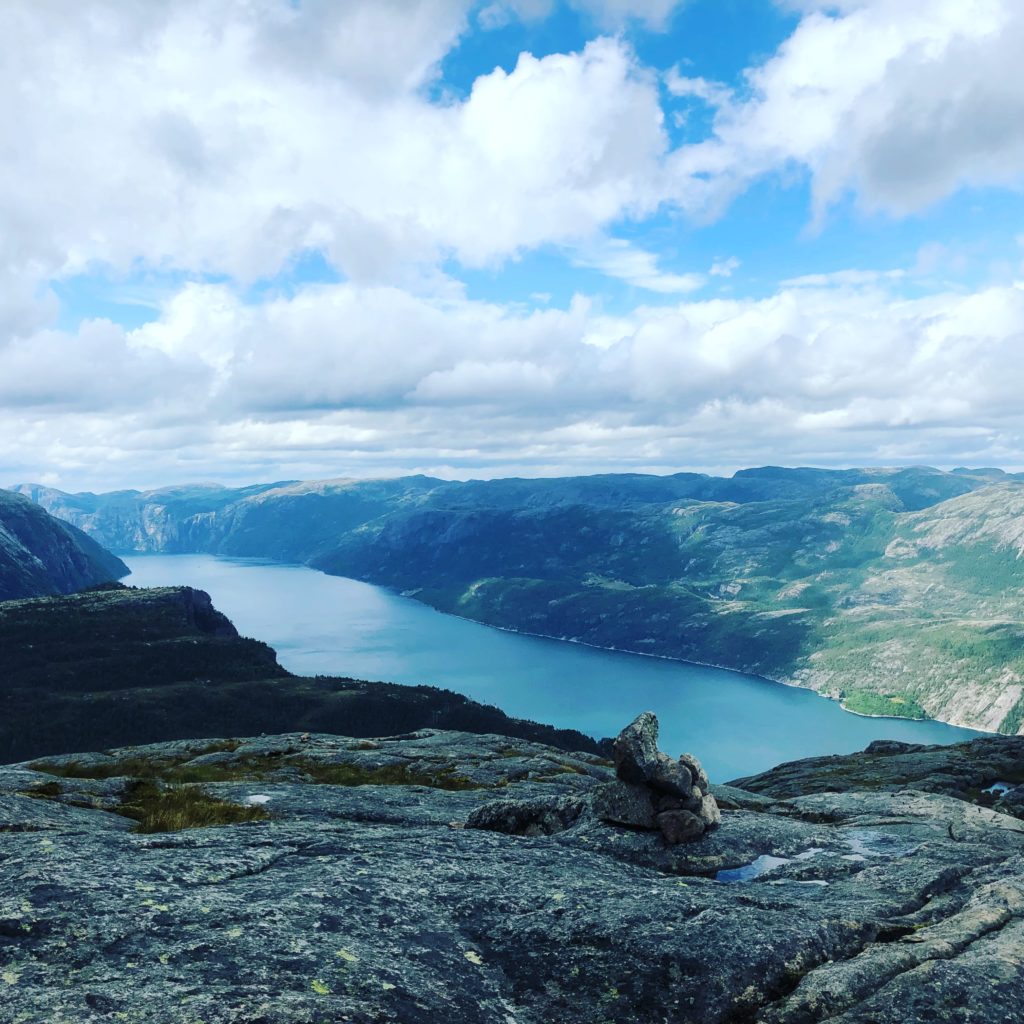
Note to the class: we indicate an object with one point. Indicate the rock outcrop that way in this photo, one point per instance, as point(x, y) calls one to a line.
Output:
point(654, 792)
point(362, 897)
point(983, 770)
point(650, 792)
point(122, 665)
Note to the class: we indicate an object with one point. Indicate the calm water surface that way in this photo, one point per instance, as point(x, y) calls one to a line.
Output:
point(736, 724)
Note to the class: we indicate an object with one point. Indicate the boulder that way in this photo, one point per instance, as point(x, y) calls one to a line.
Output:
point(623, 803)
point(709, 812)
point(696, 770)
point(668, 776)
point(636, 749)
point(544, 816)
point(680, 826)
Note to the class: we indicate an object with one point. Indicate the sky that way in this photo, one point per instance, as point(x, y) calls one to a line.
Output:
point(246, 240)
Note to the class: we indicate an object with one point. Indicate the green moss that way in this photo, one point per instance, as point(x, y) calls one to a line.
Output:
point(136, 767)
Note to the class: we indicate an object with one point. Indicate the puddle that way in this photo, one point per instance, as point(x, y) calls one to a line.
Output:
point(999, 788)
point(761, 866)
point(866, 843)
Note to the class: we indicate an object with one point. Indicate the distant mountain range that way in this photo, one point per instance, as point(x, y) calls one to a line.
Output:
point(43, 555)
point(896, 591)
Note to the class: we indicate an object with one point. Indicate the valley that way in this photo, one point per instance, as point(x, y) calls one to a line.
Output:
point(897, 592)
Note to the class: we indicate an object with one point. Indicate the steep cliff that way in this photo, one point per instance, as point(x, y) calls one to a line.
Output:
point(40, 554)
point(120, 665)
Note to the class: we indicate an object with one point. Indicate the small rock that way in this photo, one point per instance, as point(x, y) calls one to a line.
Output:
point(541, 817)
point(709, 812)
point(624, 804)
point(667, 802)
point(696, 770)
point(636, 749)
point(669, 776)
point(680, 826)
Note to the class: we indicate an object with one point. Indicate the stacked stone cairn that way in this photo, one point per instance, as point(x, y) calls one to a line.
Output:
point(654, 792)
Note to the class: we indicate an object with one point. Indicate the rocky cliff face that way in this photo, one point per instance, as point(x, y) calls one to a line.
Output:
point(40, 554)
point(122, 665)
point(358, 893)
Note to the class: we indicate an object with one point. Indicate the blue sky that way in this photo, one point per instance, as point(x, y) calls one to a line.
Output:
point(509, 236)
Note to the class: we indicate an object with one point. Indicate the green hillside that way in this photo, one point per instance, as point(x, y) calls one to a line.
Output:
point(896, 591)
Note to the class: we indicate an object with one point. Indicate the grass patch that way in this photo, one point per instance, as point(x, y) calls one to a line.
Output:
point(44, 791)
point(258, 769)
point(182, 807)
point(136, 767)
point(391, 775)
point(865, 702)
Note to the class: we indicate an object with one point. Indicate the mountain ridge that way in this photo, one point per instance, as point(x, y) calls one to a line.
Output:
point(897, 591)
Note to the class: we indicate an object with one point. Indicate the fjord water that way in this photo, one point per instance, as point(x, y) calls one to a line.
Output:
point(329, 625)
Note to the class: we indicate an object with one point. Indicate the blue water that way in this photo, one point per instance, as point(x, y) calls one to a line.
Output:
point(736, 724)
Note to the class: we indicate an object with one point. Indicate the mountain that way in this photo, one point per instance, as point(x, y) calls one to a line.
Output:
point(41, 554)
point(898, 592)
point(119, 665)
point(440, 875)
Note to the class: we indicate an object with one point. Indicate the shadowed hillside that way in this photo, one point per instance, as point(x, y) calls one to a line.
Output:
point(41, 554)
point(117, 665)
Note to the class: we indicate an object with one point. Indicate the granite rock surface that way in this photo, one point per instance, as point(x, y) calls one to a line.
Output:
point(374, 903)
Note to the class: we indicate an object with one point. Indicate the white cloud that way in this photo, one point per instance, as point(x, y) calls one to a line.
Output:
point(724, 268)
point(224, 138)
point(229, 136)
point(854, 278)
point(611, 15)
point(616, 257)
point(901, 102)
point(715, 94)
point(353, 379)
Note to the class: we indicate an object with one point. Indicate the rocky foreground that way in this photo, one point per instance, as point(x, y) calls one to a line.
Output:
point(359, 894)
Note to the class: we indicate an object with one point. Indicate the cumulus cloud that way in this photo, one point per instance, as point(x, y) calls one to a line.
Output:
point(363, 379)
point(617, 258)
point(228, 136)
point(609, 14)
point(220, 140)
point(901, 102)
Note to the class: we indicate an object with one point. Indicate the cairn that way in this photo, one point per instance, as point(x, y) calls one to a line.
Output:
point(654, 792)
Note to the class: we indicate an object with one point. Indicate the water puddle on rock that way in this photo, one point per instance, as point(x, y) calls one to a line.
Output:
point(867, 844)
point(999, 788)
point(761, 866)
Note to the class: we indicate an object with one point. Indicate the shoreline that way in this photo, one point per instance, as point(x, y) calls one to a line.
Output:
point(411, 596)
point(683, 661)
